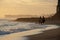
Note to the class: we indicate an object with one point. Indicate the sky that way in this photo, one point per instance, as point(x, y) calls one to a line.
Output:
point(27, 7)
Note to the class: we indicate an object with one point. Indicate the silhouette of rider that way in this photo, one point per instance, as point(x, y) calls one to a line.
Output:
point(41, 19)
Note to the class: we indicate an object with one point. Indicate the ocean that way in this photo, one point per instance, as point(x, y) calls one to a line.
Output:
point(11, 27)
point(7, 27)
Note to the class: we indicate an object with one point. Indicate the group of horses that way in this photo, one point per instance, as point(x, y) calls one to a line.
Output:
point(42, 20)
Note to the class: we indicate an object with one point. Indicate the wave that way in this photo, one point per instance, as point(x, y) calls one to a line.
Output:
point(10, 27)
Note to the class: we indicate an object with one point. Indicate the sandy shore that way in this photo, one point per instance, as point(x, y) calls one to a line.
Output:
point(53, 34)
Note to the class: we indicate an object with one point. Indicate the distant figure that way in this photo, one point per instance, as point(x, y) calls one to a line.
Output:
point(41, 20)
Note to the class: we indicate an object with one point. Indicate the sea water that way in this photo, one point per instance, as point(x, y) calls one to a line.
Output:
point(8, 27)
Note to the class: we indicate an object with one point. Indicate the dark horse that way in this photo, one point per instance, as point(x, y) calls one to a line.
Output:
point(41, 20)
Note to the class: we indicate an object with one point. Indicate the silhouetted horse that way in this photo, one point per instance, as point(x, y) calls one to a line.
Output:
point(41, 20)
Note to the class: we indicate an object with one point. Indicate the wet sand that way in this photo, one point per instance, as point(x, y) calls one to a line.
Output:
point(53, 34)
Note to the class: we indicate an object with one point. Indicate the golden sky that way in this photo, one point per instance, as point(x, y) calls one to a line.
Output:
point(27, 7)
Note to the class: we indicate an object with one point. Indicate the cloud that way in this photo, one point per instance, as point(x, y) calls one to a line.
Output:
point(27, 7)
point(27, 1)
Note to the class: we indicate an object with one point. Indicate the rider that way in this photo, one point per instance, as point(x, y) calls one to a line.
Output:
point(41, 19)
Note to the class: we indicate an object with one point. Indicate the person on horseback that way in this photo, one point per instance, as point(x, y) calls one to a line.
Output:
point(41, 19)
